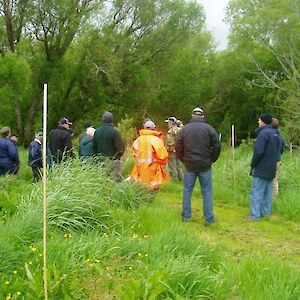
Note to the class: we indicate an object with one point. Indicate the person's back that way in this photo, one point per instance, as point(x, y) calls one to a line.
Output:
point(9, 157)
point(198, 145)
point(107, 141)
point(150, 156)
point(86, 143)
point(60, 141)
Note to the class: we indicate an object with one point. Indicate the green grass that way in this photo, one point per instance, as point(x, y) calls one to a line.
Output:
point(114, 241)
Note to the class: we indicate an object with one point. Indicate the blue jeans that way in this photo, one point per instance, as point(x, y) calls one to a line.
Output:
point(260, 198)
point(206, 189)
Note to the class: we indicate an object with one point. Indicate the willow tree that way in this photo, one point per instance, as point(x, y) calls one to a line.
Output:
point(267, 34)
point(41, 31)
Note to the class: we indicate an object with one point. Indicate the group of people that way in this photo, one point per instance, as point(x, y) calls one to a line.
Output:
point(195, 145)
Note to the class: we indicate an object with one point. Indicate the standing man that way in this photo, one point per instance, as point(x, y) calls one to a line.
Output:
point(60, 141)
point(263, 168)
point(198, 147)
point(174, 164)
point(108, 144)
point(35, 159)
point(150, 156)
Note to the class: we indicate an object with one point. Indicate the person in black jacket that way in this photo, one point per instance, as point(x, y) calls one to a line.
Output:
point(263, 168)
point(60, 141)
point(108, 145)
point(198, 147)
point(35, 159)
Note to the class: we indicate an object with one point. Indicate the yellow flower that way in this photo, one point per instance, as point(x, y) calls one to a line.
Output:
point(140, 254)
point(65, 235)
point(146, 236)
point(146, 254)
point(105, 235)
point(40, 254)
point(70, 235)
point(15, 272)
point(6, 282)
point(8, 297)
point(97, 261)
point(134, 236)
point(130, 268)
point(18, 293)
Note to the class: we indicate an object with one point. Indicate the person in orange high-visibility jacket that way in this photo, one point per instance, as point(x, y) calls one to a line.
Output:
point(151, 158)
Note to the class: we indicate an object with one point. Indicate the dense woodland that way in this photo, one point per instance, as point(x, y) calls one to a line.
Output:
point(149, 58)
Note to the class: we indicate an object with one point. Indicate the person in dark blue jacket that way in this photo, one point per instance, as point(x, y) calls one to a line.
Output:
point(9, 156)
point(35, 159)
point(263, 168)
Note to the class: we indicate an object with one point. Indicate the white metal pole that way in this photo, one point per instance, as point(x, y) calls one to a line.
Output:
point(233, 159)
point(45, 191)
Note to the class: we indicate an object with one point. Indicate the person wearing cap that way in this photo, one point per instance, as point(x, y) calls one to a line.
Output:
point(85, 149)
point(263, 168)
point(151, 158)
point(174, 164)
point(275, 126)
point(198, 147)
point(60, 141)
point(83, 134)
point(9, 156)
point(35, 159)
point(108, 145)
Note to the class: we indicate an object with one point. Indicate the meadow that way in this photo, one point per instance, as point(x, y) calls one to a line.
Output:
point(118, 241)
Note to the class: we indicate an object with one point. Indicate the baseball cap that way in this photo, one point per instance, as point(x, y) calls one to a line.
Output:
point(198, 111)
point(149, 125)
point(173, 119)
point(65, 121)
point(39, 134)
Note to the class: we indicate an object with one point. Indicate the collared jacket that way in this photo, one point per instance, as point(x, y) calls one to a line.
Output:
point(151, 158)
point(197, 145)
point(85, 148)
point(107, 142)
point(265, 153)
point(35, 159)
point(9, 156)
point(171, 138)
point(60, 143)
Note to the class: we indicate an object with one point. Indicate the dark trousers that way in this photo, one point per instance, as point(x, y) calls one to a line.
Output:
point(37, 175)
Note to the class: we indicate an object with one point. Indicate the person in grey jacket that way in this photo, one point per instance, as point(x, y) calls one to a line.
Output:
point(198, 147)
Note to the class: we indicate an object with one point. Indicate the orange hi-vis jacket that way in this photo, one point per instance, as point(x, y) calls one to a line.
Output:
point(151, 157)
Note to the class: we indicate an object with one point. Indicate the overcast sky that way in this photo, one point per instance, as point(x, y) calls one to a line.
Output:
point(215, 13)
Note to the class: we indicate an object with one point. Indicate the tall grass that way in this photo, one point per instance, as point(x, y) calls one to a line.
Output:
point(112, 240)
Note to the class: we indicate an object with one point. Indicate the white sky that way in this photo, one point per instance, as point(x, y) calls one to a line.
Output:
point(215, 13)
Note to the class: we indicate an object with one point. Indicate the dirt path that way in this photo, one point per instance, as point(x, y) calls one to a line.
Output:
point(276, 237)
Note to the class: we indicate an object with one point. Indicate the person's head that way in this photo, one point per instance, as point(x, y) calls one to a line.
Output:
point(149, 125)
point(5, 131)
point(179, 123)
point(197, 113)
point(275, 123)
point(14, 137)
point(87, 125)
point(39, 136)
point(65, 123)
point(107, 117)
point(264, 119)
point(172, 121)
point(90, 132)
